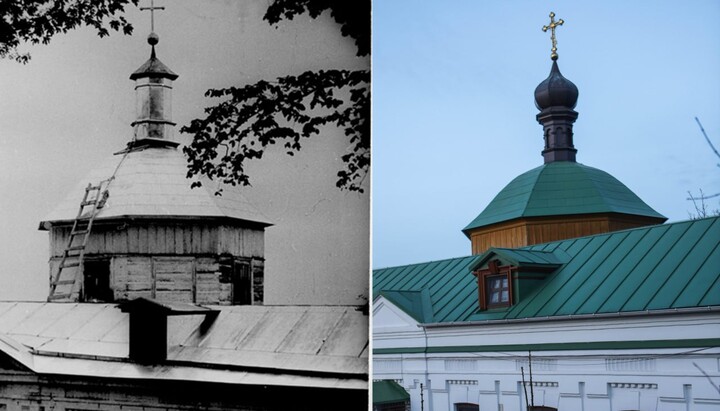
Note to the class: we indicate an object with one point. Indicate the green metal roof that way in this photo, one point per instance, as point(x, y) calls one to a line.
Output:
point(562, 188)
point(415, 303)
point(388, 391)
point(651, 268)
point(523, 257)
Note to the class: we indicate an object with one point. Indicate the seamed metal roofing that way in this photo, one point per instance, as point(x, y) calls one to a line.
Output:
point(562, 188)
point(151, 183)
point(318, 346)
point(388, 392)
point(670, 266)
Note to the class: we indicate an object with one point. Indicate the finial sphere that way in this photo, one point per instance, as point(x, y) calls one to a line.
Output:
point(552, 14)
point(153, 39)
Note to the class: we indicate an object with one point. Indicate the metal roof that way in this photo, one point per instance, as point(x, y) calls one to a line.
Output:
point(151, 183)
point(388, 391)
point(521, 257)
point(670, 266)
point(562, 188)
point(313, 345)
point(153, 67)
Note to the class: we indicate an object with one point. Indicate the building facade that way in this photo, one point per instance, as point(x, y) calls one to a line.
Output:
point(156, 297)
point(575, 297)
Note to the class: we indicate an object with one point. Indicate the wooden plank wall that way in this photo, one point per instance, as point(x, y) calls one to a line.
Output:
point(175, 278)
point(529, 231)
point(511, 236)
point(132, 277)
point(165, 239)
point(258, 281)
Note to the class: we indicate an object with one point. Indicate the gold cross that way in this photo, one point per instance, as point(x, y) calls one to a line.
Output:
point(552, 26)
point(152, 9)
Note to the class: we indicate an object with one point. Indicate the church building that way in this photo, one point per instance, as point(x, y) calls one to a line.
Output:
point(156, 297)
point(575, 296)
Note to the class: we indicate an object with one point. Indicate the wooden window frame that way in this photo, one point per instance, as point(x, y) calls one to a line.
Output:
point(94, 293)
point(494, 269)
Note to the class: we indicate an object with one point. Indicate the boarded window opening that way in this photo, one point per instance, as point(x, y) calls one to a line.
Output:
point(96, 285)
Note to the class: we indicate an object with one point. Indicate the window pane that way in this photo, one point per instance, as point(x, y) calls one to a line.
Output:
point(505, 296)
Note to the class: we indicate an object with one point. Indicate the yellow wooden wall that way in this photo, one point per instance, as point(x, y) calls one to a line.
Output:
point(528, 231)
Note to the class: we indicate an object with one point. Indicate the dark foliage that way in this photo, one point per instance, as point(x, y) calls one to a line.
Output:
point(36, 21)
point(288, 109)
point(352, 16)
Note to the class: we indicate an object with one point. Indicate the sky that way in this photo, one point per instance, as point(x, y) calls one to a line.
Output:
point(454, 114)
point(66, 111)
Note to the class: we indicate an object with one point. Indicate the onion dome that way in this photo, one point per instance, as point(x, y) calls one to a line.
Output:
point(556, 90)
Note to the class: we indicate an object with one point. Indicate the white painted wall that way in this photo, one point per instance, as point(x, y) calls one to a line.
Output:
point(585, 380)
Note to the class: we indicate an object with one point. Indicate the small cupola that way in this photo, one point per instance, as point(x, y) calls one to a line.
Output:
point(556, 98)
point(562, 198)
point(153, 95)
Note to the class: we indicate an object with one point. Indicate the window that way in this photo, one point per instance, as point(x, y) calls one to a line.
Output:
point(96, 286)
point(495, 288)
point(241, 284)
point(465, 406)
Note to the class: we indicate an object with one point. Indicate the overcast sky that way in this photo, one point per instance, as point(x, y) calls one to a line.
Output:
point(72, 105)
point(454, 115)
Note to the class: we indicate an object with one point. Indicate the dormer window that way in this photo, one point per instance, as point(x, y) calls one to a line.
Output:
point(506, 276)
point(497, 291)
point(495, 285)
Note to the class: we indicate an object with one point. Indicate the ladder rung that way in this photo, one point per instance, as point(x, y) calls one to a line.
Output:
point(64, 282)
point(59, 296)
point(90, 188)
point(70, 265)
point(74, 248)
point(84, 203)
point(80, 232)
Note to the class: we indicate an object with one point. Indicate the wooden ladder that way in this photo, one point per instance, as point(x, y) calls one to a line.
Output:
point(69, 277)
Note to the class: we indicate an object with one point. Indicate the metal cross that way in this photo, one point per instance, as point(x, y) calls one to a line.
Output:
point(552, 26)
point(152, 9)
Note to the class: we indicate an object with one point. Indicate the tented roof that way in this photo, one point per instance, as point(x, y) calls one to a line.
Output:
point(151, 183)
point(562, 188)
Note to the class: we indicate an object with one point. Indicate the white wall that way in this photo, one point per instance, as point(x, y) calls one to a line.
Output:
point(644, 379)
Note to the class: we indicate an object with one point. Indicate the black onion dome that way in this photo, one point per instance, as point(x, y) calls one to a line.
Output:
point(556, 90)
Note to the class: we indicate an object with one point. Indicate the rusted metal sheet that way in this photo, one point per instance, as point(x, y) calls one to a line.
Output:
point(301, 339)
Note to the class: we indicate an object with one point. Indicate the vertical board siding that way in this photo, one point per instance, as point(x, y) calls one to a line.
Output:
point(528, 231)
point(166, 239)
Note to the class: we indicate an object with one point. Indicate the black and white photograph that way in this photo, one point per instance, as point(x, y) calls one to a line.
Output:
point(185, 207)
